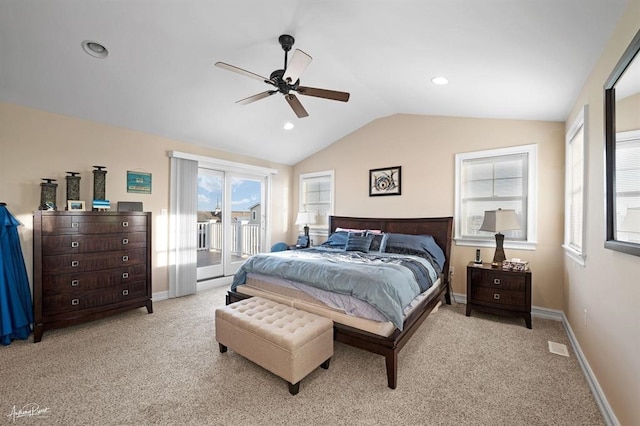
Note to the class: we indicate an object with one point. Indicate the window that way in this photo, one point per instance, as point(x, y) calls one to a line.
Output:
point(574, 189)
point(628, 186)
point(316, 195)
point(488, 180)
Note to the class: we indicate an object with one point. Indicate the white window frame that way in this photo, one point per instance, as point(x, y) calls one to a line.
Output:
point(318, 230)
point(532, 201)
point(578, 254)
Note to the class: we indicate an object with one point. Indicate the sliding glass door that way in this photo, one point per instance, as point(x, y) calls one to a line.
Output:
point(210, 231)
point(231, 220)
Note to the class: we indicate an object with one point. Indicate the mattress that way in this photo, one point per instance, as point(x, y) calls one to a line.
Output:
point(341, 310)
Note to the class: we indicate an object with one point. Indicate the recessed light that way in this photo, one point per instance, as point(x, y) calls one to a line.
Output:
point(439, 81)
point(95, 49)
point(288, 125)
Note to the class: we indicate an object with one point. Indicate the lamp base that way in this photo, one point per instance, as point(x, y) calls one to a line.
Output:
point(499, 255)
point(306, 234)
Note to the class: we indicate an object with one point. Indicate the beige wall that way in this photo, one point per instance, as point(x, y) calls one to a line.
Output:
point(608, 286)
point(36, 144)
point(425, 147)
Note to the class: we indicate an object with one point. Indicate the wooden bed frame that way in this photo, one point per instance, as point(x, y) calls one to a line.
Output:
point(441, 229)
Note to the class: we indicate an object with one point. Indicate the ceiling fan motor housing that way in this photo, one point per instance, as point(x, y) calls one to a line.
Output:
point(281, 84)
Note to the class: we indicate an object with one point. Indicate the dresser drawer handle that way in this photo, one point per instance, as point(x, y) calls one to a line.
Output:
point(496, 296)
point(125, 224)
point(75, 244)
point(125, 258)
point(74, 263)
point(125, 292)
point(75, 283)
point(496, 281)
point(125, 275)
point(75, 302)
point(125, 241)
point(75, 224)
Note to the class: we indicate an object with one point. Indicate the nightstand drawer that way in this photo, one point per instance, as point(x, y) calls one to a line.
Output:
point(515, 299)
point(501, 280)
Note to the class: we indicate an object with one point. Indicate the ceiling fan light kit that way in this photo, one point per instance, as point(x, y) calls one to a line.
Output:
point(287, 80)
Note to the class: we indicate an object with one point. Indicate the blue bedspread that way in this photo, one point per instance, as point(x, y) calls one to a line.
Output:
point(389, 282)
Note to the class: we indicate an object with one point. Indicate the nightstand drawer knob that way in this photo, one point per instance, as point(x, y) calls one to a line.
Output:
point(75, 244)
point(125, 275)
point(75, 302)
point(125, 292)
point(75, 225)
point(75, 283)
point(496, 296)
point(74, 263)
point(125, 224)
point(125, 241)
point(496, 281)
point(125, 258)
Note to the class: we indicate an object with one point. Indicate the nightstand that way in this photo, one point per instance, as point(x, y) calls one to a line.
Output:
point(499, 291)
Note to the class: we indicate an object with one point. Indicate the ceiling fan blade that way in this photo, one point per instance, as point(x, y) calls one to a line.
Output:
point(296, 106)
point(323, 93)
point(298, 63)
point(257, 97)
point(242, 72)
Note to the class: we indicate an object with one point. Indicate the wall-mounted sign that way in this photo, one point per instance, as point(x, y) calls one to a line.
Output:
point(139, 182)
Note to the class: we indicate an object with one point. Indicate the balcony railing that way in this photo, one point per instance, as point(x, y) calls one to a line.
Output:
point(245, 238)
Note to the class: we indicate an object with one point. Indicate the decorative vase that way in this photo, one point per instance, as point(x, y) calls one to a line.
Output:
point(99, 183)
point(48, 194)
point(73, 186)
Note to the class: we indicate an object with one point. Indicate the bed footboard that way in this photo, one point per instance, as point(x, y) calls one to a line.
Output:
point(390, 346)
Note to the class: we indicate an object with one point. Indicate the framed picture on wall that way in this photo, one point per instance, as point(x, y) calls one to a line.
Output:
point(385, 181)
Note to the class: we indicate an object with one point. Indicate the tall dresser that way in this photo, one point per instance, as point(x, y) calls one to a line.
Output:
point(87, 265)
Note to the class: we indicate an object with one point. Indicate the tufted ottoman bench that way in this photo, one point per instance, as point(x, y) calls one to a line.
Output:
point(286, 341)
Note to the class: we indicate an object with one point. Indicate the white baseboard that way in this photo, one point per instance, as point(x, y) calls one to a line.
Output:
point(161, 295)
point(552, 314)
point(536, 311)
point(609, 417)
point(201, 286)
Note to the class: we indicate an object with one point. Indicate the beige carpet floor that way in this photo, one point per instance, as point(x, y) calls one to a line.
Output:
point(165, 368)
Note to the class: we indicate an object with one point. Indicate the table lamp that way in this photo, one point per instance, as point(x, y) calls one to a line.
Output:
point(306, 219)
point(498, 221)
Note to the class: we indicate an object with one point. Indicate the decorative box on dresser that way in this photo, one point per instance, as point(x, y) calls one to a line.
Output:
point(499, 291)
point(87, 265)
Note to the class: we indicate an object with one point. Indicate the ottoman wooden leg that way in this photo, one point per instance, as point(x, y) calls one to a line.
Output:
point(223, 348)
point(325, 364)
point(294, 389)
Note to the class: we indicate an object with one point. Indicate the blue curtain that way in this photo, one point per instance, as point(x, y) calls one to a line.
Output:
point(16, 311)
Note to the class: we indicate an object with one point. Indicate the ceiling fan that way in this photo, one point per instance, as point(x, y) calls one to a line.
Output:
point(287, 80)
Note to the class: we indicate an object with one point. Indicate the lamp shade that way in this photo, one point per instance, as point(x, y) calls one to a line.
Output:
point(500, 220)
point(305, 218)
point(631, 222)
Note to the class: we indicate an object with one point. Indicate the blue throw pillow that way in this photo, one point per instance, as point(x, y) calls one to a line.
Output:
point(379, 242)
point(337, 239)
point(358, 242)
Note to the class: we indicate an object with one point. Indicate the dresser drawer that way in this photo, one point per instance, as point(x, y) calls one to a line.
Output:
point(60, 283)
point(92, 224)
point(499, 280)
point(500, 298)
point(63, 244)
point(83, 262)
point(80, 300)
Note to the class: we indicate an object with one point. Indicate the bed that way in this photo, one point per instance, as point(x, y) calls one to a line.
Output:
point(386, 340)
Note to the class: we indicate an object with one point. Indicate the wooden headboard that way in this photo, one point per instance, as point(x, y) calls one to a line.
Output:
point(440, 228)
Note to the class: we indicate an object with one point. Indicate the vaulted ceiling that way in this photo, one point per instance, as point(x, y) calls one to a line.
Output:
point(521, 59)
